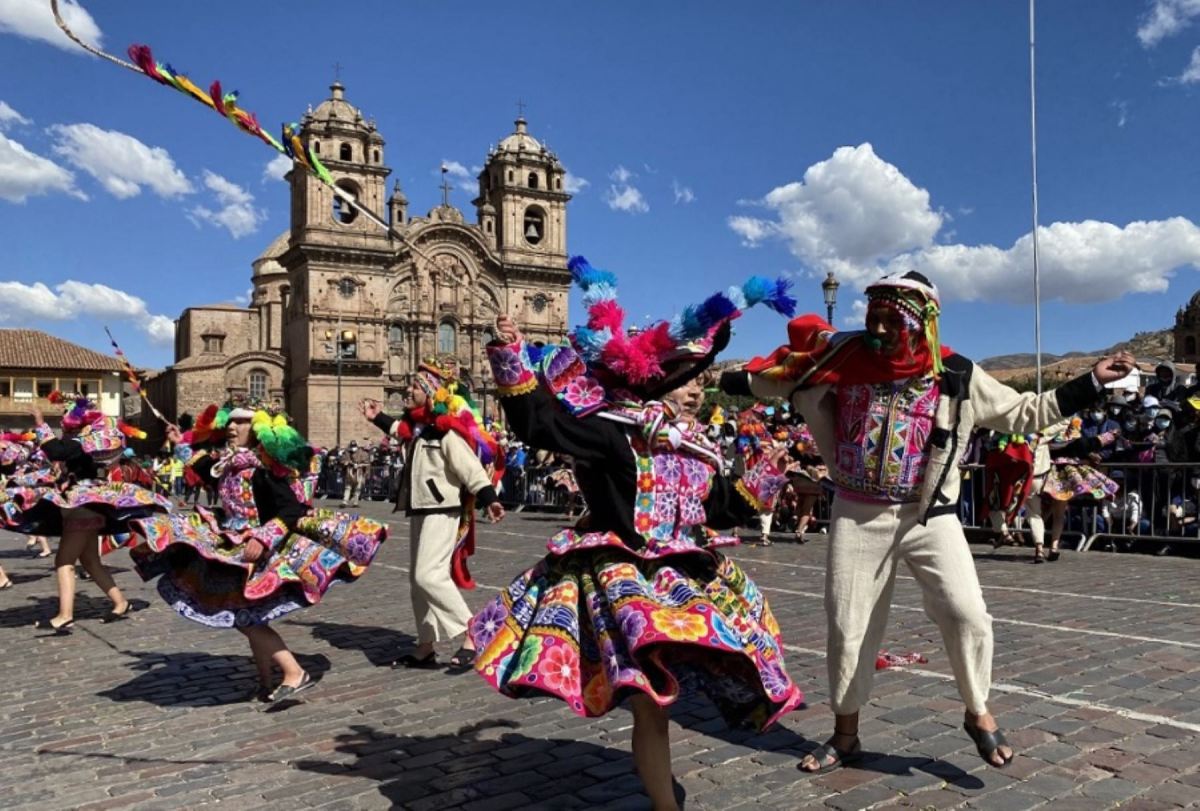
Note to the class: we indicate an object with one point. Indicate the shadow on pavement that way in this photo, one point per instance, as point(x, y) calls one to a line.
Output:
point(484, 760)
point(195, 679)
point(87, 607)
point(381, 646)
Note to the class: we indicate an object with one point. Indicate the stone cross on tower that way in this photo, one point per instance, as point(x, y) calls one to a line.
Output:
point(337, 71)
point(520, 108)
point(445, 186)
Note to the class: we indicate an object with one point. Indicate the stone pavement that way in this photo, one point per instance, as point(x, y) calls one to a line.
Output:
point(1097, 671)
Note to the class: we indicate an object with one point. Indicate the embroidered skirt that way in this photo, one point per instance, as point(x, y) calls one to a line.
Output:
point(595, 622)
point(1069, 480)
point(34, 506)
point(205, 577)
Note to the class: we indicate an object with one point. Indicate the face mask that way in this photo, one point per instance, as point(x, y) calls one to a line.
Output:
point(1115, 412)
point(1130, 425)
point(1162, 423)
point(1096, 416)
point(1151, 412)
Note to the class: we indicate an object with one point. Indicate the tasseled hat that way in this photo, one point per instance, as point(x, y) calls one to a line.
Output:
point(916, 300)
point(654, 360)
point(438, 373)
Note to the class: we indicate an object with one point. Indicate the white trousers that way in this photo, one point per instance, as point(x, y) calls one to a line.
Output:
point(438, 605)
point(867, 542)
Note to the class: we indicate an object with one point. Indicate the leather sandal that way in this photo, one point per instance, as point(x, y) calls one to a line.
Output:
point(463, 659)
point(987, 743)
point(63, 629)
point(285, 691)
point(411, 662)
point(837, 757)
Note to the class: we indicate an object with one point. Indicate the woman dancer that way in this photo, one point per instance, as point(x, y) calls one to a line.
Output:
point(75, 501)
point(1066, 477)
point(267, 553)
point(641, 603)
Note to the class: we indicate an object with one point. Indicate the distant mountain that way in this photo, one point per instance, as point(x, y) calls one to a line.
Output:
point(1146, 346)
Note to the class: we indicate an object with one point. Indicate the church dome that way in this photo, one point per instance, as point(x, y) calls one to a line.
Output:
point(1193, 304)
point(520, 141)
point(267, 262)
point(336, 108)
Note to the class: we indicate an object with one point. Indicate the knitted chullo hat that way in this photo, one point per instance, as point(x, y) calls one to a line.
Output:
point(917, 302)
point(667, 354)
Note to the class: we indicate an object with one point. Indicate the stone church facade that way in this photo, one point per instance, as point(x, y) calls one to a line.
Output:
point(337, 283)
point(1187, 332)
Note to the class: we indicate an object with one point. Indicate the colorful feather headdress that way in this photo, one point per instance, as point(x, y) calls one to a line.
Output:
point(278, 441)
point(641, 359)
point(84, 415)
point(451, 408)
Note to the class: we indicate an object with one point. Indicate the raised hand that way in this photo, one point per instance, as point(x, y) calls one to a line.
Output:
point(370, 409)
point(1114, 367)
point(506, 329)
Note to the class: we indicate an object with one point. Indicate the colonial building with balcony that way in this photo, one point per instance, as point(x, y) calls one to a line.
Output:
point(33, 364)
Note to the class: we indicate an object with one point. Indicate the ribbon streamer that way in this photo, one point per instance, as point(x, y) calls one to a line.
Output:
point(134, 380)
point(225, 104)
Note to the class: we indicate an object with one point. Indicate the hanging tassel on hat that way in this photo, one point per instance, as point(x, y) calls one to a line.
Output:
point(933, 338)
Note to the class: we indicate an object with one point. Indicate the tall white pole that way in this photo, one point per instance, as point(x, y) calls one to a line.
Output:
point(1037, 282)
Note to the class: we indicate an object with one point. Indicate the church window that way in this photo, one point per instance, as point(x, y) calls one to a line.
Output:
point(214, 343)
point(375, 155)
point(317, 147)
point(489, 226)
point(534, 228)
point(343, 212)
point(533, 180)
point(347, 287)
point(346, 153)
point(257, 384)
point(396, 336)
point(540, 302)
point(510, 176)
point(1189, 345)
point(447, 338)
point(558, 183)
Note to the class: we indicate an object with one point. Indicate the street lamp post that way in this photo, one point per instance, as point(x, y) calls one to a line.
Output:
point(829, 289)
point(344, 347)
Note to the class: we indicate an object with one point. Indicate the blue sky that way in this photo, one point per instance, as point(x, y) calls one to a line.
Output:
point(716, 142)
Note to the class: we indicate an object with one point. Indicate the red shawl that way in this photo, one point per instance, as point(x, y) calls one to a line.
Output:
point(817, 354)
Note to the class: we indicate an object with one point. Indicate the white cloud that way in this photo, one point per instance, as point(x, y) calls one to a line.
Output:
point(121, 163)
point(1079, 262)
point(461, 176)
point(623, 195)
point(73, 299)
point(1191, 74)
point(24, 174)
point(237, 214)
point(621, 175)
point(683, 194)
point(852, 208)
point(32, 19)
point(857, 319)
point(860, 217)
point(277, 168)
point(627, 199)
point(573, 184)
point(1122, 108)
point(9, 116)
point(1165, 18)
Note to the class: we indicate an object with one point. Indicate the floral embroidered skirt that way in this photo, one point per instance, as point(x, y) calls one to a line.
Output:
point(1069, 480)
point(599, 623)
point(34, 506)
point(205, 577)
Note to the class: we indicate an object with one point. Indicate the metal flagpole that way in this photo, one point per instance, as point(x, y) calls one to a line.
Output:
point(1037, 282)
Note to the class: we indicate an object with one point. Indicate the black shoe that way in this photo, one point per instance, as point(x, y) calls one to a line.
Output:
point(62, 629)
point(411, 662)
point(115, 616)
point(1052, 555)
point(285, 691)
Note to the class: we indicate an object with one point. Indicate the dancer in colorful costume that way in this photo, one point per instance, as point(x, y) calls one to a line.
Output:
point(891, 410)
point(1063, 476)
point(266, 553)
point(444, 480)
point(76, 502)
point(640, 603)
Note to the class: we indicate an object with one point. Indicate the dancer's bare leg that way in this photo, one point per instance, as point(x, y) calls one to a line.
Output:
point(70, 549)
point(90, 558)
point(652, 751)
point(267, 643)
